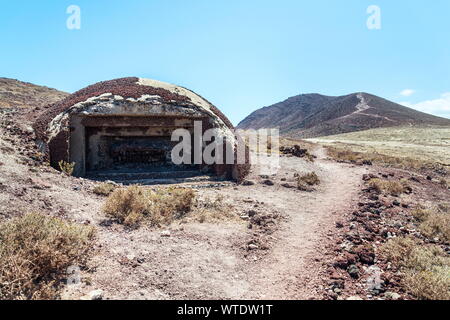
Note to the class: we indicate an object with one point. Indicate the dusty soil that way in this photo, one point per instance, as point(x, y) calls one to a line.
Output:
point(278, 247)
point(197, 260)
point(213, 261)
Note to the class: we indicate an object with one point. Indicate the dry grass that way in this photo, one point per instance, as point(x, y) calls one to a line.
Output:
point(404, 147)
point(35, 252)
point(134, 205)
point(104, 189)
point(210, 211)
point(306, 181)
point(402, 162)
point(393, 188)
point(66, 167)
point(435, 222)
point(425, 270)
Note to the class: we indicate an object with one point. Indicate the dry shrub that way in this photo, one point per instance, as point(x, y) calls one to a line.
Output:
point(420, 213)
point(425, 270)
point(436, 226)
point(67, 167)
point(134, 204)
point(394, 188)
point(309, 157)
point(429, 285)
point(35, 252)
point(435, 222)
point(306, 181)
point(209, 210)
point(104, 189)
point(344, 154)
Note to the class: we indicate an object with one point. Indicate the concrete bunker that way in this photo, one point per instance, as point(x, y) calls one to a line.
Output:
point(121, 130)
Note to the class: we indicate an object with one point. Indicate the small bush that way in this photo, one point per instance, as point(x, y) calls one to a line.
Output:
point(429, 284)
point(305, 182)
point(209, 210)
point(420, 213)
point(104, 189)
point(135, 204)
point(309, 157)
point(394, 188)
point(35, 252)
point(67, 167)
point(434, 223)
point(425, 270)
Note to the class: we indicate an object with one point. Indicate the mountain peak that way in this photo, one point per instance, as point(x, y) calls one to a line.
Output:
point(312, 115)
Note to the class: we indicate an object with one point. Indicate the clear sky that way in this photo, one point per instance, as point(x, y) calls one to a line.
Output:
point(239, 54)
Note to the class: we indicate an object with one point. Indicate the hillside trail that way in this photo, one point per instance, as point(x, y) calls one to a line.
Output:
point(291, 271)
point(363, 106)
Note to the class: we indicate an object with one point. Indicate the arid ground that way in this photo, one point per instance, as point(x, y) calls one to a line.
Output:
point(421, 143)
point(267, 238)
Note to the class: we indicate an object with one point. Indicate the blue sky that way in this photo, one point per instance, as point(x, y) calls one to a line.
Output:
point(239, 54)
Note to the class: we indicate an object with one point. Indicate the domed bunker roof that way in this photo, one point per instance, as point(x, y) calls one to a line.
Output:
point(65, 129)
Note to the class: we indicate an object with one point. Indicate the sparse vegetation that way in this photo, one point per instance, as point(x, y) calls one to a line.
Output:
point(134, 205)
point(104, 189)
point(66, 167)
point(393, 188)
point(306, 181)
point(434, 223)
point(215, 210)
point(345, 154)
point(35, 252)
point(420, 148)
point(425, 270)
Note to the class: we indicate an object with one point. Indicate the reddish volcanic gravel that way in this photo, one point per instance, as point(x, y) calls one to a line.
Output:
point(125, 87)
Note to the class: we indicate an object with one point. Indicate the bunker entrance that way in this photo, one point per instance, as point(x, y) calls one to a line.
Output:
point(130, 153)
point(126, 151)
point(132, 149)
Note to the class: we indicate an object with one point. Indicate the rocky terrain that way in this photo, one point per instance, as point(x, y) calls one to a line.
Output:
point(18, 94)
point(315, 115)
point(247, 253)
point(324, 226)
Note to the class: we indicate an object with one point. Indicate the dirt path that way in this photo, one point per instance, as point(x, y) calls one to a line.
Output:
point(291, 270)
point(363, 106)
point(208, 261)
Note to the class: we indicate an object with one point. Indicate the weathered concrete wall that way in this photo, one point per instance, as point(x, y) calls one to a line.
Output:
point(154, 107)
point(89, 148)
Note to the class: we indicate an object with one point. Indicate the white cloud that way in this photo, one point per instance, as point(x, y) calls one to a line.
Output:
point(407, 92)
point(439, 107)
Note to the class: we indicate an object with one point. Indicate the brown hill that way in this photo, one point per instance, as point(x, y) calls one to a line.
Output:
point(18, 94)
point(315, 115)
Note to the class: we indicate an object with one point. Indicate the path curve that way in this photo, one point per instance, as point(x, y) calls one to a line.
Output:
point(290, 271)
